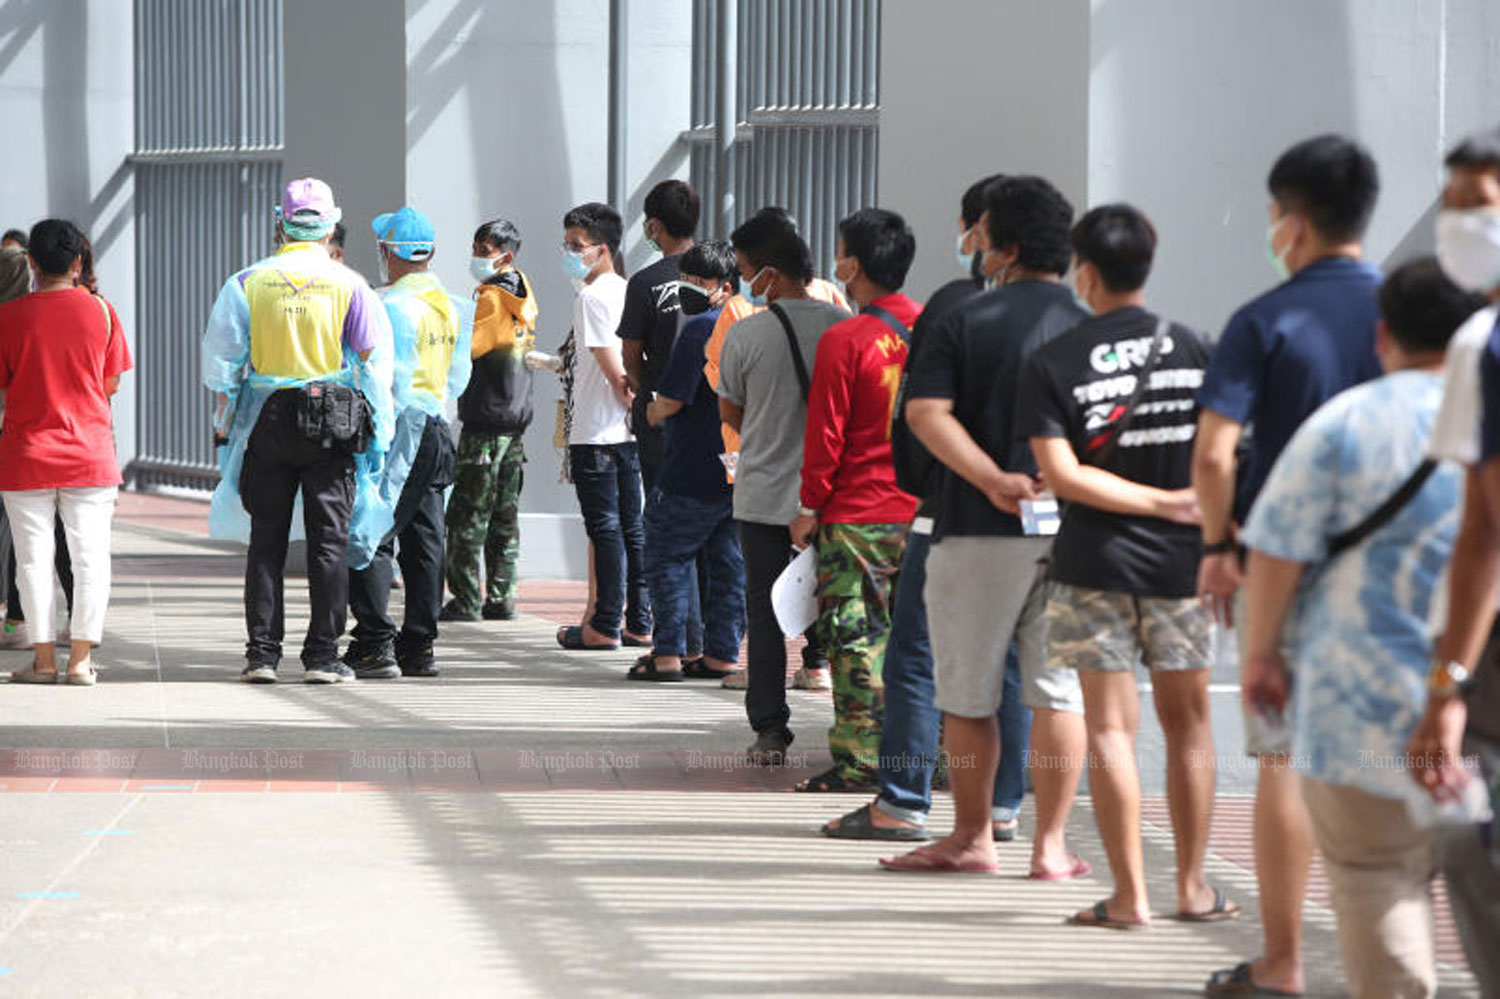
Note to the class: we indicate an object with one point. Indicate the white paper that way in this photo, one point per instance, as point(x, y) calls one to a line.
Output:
point(794, 595)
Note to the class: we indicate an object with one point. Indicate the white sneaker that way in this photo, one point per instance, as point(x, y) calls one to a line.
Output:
point(15, 636)
point(812, 679)
point(738, 680)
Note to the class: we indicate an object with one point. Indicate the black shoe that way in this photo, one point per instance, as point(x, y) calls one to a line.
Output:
point(372, 662)
point(259, 671)
point(499, 612)
point(451, 612)
point(334, 672)
point(769, 749)
point(418, 662)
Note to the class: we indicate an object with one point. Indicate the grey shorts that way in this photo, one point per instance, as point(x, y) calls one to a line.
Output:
point(1108, 631)
point(981, 593)
point(1265, 735)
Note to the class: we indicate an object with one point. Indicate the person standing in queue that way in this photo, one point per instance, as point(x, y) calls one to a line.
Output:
point(297, 350)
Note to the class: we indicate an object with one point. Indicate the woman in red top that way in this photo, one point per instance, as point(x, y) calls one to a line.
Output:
point(61, 356)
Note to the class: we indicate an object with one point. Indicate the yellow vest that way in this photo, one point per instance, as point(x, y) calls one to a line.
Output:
point(297, 311)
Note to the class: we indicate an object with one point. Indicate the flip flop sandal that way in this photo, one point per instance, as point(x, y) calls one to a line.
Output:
point(699, 669)
point(1223, 908)
point(631, 642)
point(1081, 868)
point(1236, 981)
point(571, 638)
point(30, 675)
point(860, 824)
point(831, 781)
point(926, 860)
point(645, 669)
point(1099, 916)
point(1004, 832)
point(87, 679)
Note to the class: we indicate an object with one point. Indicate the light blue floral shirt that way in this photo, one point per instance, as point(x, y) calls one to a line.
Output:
point(1360, 636)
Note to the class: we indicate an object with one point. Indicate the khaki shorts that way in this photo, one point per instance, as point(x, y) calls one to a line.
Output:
point(1109, 631)
point(981, 593)
point(1265, 734)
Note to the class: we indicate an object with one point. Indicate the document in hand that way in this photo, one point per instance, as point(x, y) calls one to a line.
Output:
point(794, 595)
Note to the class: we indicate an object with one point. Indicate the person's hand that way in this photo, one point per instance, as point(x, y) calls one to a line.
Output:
point(803, 529)
point(624, 393)
point(1265, 683)
point(1432, 753)
point(1219, 578)
point(654, 415)
point(1180, 506)
point(1008, 490)
point(536, 360)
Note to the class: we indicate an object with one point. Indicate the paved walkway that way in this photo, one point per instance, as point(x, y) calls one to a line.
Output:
point(525, 825)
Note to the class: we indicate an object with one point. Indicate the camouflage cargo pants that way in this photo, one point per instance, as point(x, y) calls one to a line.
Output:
point(857, 568)
point(483, 515)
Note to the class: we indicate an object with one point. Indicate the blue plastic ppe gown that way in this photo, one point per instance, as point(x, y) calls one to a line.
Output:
point(431, 332)
point(227, 369)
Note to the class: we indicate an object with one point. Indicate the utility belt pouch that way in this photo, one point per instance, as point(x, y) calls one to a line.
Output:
point(335, 417)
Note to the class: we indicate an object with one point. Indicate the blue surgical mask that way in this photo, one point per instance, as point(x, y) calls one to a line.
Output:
point(574, 267)
point(1276, 260)
point(759, 301)
point(481, 269)
point(965, 260)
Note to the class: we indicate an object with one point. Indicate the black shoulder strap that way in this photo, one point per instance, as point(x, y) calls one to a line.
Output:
point(1383, 514)
point(884, 316)
point(1142, 380)
point(803, 378)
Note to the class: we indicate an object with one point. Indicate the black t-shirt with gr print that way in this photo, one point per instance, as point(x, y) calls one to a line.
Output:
point(1076, 387)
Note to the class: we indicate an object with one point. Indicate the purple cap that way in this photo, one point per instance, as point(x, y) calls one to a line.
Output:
point(309, 196)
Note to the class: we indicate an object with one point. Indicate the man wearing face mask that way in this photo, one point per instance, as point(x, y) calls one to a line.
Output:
point(1281, 357)
point(852, 509)
point(690, 513)
point(431, 332)
point(1462, 716)
point(763, 390)
point(495, 410)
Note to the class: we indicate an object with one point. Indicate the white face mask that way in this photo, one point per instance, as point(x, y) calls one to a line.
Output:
point(1468, 247)
point(481, 269)
point(383, 268)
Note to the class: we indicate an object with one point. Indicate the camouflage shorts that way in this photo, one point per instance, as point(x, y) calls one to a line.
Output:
point(1105, 630)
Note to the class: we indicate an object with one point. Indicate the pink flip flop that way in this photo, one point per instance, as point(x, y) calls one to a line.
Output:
point(925, 860)
point(1082, 868)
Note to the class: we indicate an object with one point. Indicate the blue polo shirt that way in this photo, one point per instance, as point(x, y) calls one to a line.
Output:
point(1285, 354)
point(690, 464)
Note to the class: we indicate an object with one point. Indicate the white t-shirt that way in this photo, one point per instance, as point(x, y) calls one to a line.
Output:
point(598, 415)
point(1455, 433)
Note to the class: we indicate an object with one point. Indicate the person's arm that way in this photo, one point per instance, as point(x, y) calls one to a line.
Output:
point(731, 413)
point(1094, 487)
point(932, 420)
point(661, 409)
point(634, 354)
point(111, 385)
point(1213, 483)
point(828, 403)
point(635, 320)
point(608, 359)
point(361, 328)
point(1270, 589)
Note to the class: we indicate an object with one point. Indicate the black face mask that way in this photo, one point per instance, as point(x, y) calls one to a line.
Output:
point(692, 299)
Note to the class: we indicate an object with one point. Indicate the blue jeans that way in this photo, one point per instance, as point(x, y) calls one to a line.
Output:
point(909, 739)
point(607, 478)
point(686, 532)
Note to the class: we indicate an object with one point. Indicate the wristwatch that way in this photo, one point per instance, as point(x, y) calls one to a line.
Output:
point(1224, 547)
point(806, 512)
point(1447, 679)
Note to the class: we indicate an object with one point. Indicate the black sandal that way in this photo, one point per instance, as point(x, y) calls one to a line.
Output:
point(645, 669)
point(699, 669)
point(860, 824)
point(833, 781)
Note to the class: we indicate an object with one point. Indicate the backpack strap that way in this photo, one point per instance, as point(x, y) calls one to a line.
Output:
point(885, 316)
point(803, 378)
point(1383, 514)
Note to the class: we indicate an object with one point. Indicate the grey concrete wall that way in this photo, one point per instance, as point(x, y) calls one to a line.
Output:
point(507, 115)
point(67, 108)
point(345, 99)
point(1182, 108)
point(970, 88)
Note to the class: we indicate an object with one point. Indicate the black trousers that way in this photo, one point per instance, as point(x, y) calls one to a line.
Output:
point(419, 529)
point(767, 549)
point(279, 461)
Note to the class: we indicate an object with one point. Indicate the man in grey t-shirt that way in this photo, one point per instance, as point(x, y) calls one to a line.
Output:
point(763, 396)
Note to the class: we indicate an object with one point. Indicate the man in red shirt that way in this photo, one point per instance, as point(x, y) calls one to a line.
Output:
point(851, 505)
